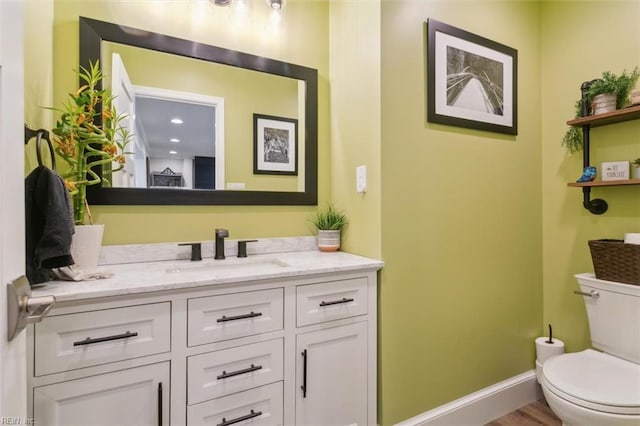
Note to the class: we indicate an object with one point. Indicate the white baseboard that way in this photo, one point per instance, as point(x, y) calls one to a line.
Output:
point(483, 406)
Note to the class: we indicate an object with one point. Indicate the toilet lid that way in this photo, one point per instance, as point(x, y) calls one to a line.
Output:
point(595, 380)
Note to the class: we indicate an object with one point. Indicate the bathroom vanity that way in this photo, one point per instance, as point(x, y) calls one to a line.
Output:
point(279, 338)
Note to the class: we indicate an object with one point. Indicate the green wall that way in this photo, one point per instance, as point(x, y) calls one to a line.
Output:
point(579, 42)
point(38, 76)
point(303, 39)
point(356, 120)
point(461, 293)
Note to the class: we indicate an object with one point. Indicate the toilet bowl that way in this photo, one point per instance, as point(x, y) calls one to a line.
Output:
point(600, 387)
point(591, 388)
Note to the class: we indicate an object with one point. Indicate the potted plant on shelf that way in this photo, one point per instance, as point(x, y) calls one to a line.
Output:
point(329, 223)
point(89, 134)
point(611, 92)
point(599, 98)
point(636, 165)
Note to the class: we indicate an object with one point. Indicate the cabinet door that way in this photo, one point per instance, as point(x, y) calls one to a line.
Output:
point(137, 396)
point(331, 376)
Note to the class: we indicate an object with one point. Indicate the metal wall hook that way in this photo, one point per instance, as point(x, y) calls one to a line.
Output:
point(40, 134)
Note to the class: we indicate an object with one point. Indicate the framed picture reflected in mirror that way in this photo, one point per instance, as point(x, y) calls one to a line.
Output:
point(275, 149)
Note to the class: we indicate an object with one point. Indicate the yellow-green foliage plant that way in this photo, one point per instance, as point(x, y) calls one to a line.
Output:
point(620, 85)
point(330, 219)
point(88, 135)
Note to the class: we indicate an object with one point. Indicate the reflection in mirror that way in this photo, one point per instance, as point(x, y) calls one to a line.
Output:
point(175, 143)
point(152, 76)
point(216, 93)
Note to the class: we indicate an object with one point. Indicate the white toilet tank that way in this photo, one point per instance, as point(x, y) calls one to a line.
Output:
point(614, 316)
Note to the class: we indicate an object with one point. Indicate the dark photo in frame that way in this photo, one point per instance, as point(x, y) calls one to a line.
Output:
point(471, 80)
point(275, 149)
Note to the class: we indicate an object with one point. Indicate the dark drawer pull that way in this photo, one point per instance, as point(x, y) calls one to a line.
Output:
point(336, 302)
point(238, 317)
point(251, 415)
point(89, 340)
point(224, 374)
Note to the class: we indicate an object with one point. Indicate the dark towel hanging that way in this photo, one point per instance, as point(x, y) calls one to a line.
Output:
point(48, 217)
point(49, 225)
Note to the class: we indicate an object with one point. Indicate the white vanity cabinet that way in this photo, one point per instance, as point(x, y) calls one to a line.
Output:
point(297, 349)
point(332, 376)
point(105, 366)
point(136, 396)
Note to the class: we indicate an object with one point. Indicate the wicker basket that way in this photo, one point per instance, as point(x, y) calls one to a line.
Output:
point(613, 260)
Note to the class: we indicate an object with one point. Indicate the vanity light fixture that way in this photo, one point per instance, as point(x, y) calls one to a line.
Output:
point(174, 140)
point(177, 120)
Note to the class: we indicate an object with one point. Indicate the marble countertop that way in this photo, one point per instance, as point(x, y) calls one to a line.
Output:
point(143, 277)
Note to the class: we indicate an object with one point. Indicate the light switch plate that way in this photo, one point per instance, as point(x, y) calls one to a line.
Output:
point(361, 179)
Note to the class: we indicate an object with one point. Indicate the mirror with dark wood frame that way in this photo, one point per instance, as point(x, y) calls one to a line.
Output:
point(92, 35)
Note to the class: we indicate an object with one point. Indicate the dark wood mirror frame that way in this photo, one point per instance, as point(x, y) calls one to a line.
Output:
point(93, 33)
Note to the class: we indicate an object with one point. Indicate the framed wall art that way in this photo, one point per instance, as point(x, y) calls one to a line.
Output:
point(275, 148)
point(471, 81)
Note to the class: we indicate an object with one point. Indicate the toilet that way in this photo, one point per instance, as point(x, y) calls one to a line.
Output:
point(600, 387)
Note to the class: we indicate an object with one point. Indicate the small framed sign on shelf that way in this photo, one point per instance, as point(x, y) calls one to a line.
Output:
point(615, 170)
point(275, 150)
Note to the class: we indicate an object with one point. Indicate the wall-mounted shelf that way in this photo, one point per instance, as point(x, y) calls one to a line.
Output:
point(617, 116)
point(608, 183)
point(597, 205)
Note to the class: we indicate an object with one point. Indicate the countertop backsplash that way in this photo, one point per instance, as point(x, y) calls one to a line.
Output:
point(133, 253)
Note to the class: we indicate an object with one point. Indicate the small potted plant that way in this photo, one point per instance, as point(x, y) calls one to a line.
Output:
point(611, 92)
point(636, 169)
point(618, 86)
point(329, 223)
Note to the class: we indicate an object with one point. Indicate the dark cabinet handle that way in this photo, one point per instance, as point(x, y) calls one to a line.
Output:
point(336, 302)
point(89, 340)
point(224, 374)
point(251, 415)
point(160, 404)
point(239, 317)
point(304, 374)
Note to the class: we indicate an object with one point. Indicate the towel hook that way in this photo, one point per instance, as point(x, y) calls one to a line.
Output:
point(39, 135)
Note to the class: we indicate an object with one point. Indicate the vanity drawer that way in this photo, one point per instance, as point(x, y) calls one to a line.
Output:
point(216, 318)
point(219, 373)
point(261, 406)
point(316, 303)
point(68, 342)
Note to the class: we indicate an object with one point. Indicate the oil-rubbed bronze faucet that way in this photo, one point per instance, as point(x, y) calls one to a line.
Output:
point(221, 234)
point(196, 250)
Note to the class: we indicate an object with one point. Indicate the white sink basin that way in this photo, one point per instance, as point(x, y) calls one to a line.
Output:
point(231, 265)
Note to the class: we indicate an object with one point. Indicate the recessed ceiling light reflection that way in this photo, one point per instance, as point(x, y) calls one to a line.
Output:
point(176, 120)
point(174, 140)
point(172, 152)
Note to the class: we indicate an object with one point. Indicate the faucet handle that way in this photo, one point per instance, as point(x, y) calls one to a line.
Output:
point(196, 250)
point(242, 247)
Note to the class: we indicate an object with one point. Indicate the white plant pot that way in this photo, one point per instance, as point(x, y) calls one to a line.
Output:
point(85, 246)
point(328, 240)
point(636, 172)
point(603, 103)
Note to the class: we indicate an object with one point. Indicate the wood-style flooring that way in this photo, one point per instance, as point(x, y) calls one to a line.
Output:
point(535, 414)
